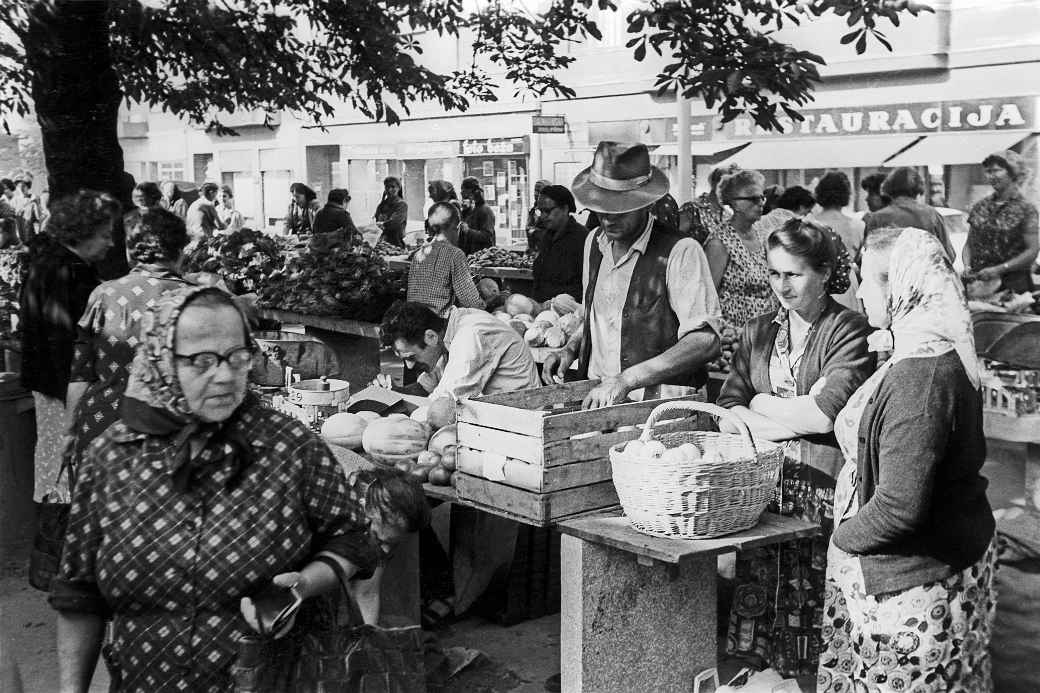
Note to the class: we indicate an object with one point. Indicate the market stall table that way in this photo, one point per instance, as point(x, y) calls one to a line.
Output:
point(355, 343)
point(639, 612)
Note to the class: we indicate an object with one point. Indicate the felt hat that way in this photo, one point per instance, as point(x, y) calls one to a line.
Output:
point(620, 179)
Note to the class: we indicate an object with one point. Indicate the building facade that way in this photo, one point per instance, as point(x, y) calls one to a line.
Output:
point(958, 84)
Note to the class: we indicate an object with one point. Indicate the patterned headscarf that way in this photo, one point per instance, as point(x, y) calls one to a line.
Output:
point(926, 301)
point(154, 402)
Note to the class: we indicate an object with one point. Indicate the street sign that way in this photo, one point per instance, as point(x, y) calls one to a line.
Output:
point(549, 125)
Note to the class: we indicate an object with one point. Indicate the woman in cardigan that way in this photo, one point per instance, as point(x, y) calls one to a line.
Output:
point(792, 372)
point(909, 602)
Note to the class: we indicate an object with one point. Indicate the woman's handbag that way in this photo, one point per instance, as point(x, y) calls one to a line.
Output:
point(335, 657)
point(52, 520)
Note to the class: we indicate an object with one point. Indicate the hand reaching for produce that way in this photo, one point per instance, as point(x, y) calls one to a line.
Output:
point(556, 365)
point(610, 391)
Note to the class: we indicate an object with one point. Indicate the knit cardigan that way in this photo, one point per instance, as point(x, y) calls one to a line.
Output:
point(836, 350)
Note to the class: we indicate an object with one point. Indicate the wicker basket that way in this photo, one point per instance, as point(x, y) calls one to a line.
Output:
point(703, 498)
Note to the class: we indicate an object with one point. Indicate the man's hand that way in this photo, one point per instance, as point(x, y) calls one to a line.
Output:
point(383, 380)
point(610, 391)
point(556, 365)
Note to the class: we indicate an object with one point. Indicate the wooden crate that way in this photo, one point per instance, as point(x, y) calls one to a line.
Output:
point(541, 440)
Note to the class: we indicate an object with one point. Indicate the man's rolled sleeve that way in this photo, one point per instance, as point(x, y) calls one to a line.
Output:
point(691, 291)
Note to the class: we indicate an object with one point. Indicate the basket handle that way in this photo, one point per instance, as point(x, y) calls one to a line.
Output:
point(693, 405)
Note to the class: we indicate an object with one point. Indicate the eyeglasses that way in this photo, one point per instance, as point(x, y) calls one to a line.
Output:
point(757, 199)
point(238, 359)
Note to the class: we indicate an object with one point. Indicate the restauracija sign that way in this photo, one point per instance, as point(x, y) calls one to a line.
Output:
point(939, 116)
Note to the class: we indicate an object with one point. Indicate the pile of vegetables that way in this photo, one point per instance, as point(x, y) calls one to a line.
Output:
point(551, 327)
point(729, 339)
point(499, 257)
point(243, 259)
point(399, 441)
point(342, 278)
point(389, 249)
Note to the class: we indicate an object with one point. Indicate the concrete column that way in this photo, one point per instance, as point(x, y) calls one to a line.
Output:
point(630, 628)
point(685, 191)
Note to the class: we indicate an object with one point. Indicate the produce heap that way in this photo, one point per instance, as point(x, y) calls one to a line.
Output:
point(245, 259)
point(406, 443)
point(729, 339)
point(551, 325)
point(499, 257)
point(340, 277)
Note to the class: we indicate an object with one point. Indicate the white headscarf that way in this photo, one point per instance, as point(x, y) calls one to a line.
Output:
point(926, 302)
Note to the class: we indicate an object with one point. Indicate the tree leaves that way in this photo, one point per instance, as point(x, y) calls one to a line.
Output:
point(200, 59)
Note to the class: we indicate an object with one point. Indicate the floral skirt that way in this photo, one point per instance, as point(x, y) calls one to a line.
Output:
point(930, 638)
point(777, 607)
point(50, 443)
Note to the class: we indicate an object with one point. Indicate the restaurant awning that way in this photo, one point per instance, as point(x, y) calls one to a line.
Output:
point(957, 147)
point(820, 152)
point(701, 149)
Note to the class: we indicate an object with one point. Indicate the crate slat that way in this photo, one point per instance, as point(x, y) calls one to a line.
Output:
point(502, 417)
point(563, 426)
point(536, 398)
point(497, 467)
point(515, 445)
point(561, 452)
point(538, 508)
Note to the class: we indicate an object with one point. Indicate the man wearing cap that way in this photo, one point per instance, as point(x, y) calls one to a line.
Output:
point(557, 267)
point(652, 314)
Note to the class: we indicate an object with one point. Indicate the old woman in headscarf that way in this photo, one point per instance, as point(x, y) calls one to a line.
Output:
point(909, 597)
point(199, 515)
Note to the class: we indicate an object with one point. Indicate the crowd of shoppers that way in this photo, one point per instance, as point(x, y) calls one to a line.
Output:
point(140, 387)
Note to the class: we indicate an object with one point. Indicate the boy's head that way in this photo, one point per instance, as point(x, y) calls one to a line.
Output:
point(395, 506)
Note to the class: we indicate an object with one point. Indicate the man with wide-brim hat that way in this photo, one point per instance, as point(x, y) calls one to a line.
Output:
point(652, 314)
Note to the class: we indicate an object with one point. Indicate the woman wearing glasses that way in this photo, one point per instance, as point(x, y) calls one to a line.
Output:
point(199, 515)
point(736, 254)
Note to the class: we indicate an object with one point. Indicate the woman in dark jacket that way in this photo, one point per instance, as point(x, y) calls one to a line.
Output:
point(62, 273)
point(792, 373)
point(392, 212)
point(909, 602)
point(479, 232)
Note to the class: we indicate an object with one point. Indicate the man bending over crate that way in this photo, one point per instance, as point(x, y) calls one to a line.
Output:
point(468, 354)
point(652, 314)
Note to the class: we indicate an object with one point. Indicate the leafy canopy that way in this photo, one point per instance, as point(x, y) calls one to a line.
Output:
point(199, 58)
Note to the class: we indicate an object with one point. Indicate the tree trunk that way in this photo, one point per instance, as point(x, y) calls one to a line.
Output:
point(76, 94)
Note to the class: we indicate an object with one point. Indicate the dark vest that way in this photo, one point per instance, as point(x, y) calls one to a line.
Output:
point(649, 327)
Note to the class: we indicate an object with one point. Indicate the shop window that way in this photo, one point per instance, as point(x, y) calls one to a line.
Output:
point(506, 191)
point(320, 163)
point(162, 170)
point(202, 165)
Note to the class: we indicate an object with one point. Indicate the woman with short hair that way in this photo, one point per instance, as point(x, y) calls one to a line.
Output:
point(833, 193)
point(62, 274)
point(1002, 227)
point(792, 372)
point(107, 333)
point(736, 252)
point(903, 186)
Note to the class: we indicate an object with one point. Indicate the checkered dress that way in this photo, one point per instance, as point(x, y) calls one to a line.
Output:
point(170, 568)
point(107, 336)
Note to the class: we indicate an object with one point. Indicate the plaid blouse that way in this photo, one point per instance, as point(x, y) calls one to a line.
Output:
point(439, 278)
point(170, 568)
